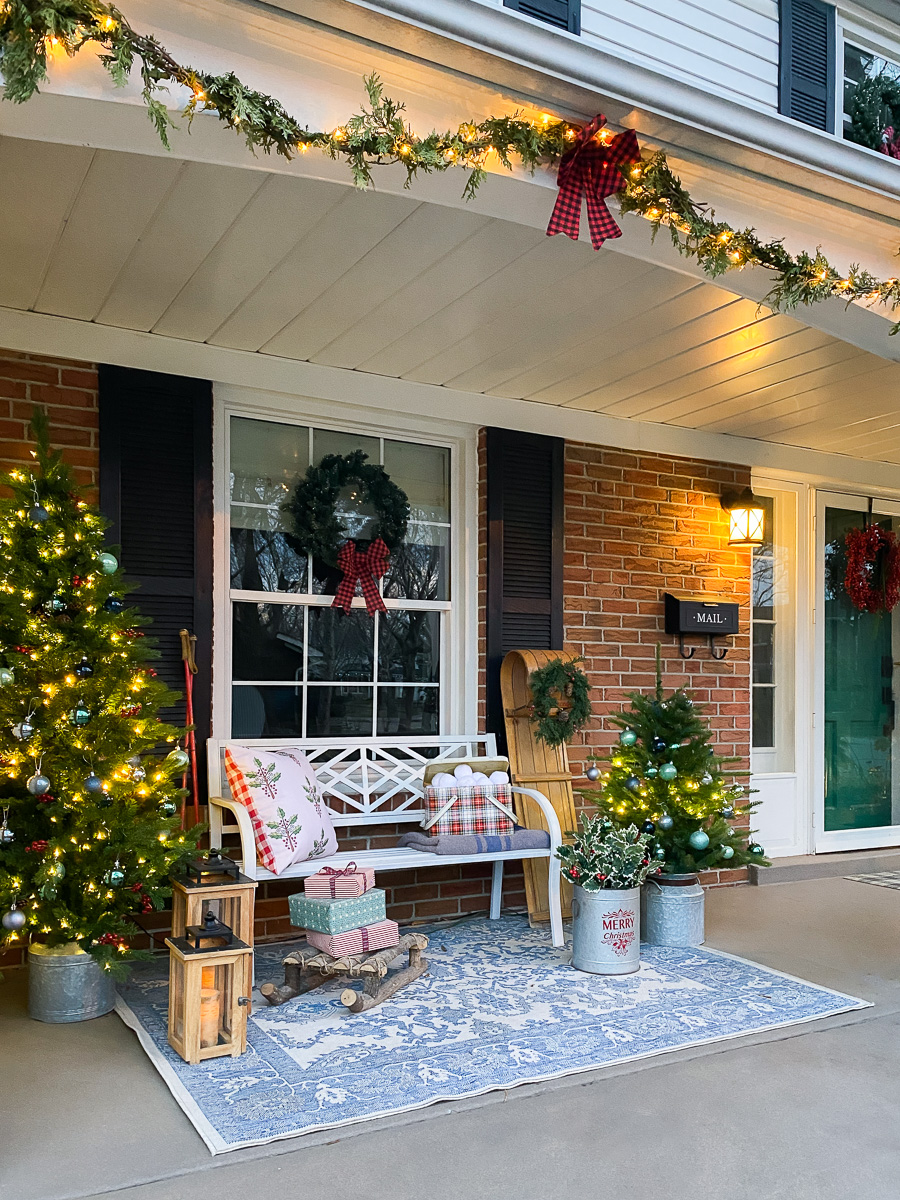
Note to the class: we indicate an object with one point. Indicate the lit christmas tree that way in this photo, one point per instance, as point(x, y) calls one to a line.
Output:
point(89, 830)
point(665, 777)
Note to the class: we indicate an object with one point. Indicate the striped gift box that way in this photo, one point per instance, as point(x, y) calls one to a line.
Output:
point(469, 810)
point(356, 941)
point(331, 882)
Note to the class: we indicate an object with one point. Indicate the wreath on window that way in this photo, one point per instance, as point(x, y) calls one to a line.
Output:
point(317, 529)
point(560, 704)
point(873, 569)
point(874, 112)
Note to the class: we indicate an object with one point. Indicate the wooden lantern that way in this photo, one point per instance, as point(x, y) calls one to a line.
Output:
point(230, 899)
point(209, 999)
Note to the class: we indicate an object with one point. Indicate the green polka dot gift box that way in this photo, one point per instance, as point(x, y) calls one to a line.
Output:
point(337, 916)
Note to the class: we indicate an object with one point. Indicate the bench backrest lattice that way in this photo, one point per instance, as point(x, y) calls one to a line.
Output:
point(367, 782)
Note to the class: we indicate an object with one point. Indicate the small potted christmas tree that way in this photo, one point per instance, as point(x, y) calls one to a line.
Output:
point(89, 829)
point(665, 777)
point(607, 866)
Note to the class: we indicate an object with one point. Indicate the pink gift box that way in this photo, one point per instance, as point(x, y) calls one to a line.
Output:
point(333, 882)
point(356, 941)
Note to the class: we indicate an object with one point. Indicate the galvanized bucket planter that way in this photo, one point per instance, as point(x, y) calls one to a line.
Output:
point(65, 984)
point(606, 931)
point(672, 911)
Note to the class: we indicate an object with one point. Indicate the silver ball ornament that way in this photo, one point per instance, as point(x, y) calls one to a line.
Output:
point(138, 774)
point(177, 759)
point(593, 773)
point(38, 784)
point(93, 783)
point(13, 920)
point(37, 514)
point(23, 730)
point(6, 835)
point(665, 822)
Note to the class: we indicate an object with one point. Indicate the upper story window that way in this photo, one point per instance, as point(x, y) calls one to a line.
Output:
point(564, 14)
point(298, 666)
point(871, 100)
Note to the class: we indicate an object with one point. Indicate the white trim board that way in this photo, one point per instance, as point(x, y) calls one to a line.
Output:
point(36, 333)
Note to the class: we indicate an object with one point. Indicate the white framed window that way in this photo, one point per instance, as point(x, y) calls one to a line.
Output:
point(773, 648)
point(288, 663)
point(866, 47)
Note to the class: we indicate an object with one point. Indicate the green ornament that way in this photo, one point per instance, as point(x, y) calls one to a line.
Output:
point(168, 808)
point(699, 839)
point(177, 759)
point(659, 853)
point(115, 877)
point(627, 737)
point(668, 771)
point(756, 850)
point(108, 563)
point(728, 851)
point(80, 715)
point(651, 772)
point(6, 676)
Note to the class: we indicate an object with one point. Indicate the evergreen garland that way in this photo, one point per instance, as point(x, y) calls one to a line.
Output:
point(560, 704)
point(317, 529)
point(873, 106)
point(31, 31)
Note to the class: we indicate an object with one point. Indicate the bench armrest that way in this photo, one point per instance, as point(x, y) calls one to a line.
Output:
point(245, 828)
point(549, 814)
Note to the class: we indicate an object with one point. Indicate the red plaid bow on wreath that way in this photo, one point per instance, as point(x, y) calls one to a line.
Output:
point(363, 567)
point(591, 168)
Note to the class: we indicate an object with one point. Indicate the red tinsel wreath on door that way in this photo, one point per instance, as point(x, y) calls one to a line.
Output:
point(873, 569)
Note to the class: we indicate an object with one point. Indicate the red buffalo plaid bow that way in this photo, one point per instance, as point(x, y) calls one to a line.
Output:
point(364, 567)
point(592, 168)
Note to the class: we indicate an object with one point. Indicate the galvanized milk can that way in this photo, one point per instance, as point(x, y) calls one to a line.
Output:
point(606, 931)
point(672, 911)
point(65, 984)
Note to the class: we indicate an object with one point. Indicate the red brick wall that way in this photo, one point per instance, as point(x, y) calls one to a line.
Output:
point(68, 391)
point(637, 525)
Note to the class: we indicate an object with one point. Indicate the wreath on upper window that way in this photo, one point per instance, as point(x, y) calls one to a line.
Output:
point(873, 569)
point(317, 529)
point(560, 704)
point(874, 111)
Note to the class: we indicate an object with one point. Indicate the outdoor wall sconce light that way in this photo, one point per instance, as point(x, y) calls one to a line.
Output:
point(703, 615)
point(747, 518)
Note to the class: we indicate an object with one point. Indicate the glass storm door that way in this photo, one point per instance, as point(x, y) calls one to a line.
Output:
point(858, 741)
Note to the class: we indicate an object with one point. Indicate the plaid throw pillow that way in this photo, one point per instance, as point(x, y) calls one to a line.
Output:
point(278, 788)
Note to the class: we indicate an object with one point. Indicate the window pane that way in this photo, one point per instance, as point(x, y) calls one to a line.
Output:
point(267, 459)
point(261, 558)
point(267, 641)
point(341, 645)
point(407, 710)
point(329, 441)
point(424, 474)
point(763, 653)
point(266, 711)
point(409, 647)
point(420, 568)
point(339, 712)
point(763, 717)
point(763, 588)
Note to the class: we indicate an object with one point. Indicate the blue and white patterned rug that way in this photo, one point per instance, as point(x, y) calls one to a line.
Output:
point(499, 1007)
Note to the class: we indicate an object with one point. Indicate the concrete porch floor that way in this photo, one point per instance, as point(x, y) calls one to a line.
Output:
point(808, 1112)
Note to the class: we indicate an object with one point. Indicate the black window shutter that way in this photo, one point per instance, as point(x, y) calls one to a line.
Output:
point(808, 64)
point(156, 489)
point(524, 552)
point(564, 14)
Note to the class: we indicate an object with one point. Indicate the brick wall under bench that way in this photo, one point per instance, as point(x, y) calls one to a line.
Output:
point(67, 389)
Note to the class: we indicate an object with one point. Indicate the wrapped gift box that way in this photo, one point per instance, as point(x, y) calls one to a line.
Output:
point(337, 916)
point(333, 883)
point(356, 941)
point(478, 809)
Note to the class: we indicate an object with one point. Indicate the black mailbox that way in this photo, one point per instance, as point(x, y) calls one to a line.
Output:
point(702, 615)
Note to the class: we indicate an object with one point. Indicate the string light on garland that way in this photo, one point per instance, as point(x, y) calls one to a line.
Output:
point(31, 30)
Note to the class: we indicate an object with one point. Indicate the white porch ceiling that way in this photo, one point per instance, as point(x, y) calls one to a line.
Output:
point(381, 283)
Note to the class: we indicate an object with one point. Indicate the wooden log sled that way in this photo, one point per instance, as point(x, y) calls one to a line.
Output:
point(307, 968)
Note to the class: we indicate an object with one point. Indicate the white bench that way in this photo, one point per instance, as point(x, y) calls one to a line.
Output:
point(370, 783)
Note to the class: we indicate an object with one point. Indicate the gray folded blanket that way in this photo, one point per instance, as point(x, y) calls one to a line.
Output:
point(477, 843)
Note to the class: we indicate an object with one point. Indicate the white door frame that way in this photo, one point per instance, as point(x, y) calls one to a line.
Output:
point(830, 841)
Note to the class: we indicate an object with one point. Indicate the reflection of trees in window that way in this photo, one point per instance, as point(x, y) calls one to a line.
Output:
point(262, 560)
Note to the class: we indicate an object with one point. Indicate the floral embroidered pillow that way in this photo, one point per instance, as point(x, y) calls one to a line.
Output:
point(279, 790)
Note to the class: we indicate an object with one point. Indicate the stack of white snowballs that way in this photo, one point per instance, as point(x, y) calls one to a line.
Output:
point(464, 777)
